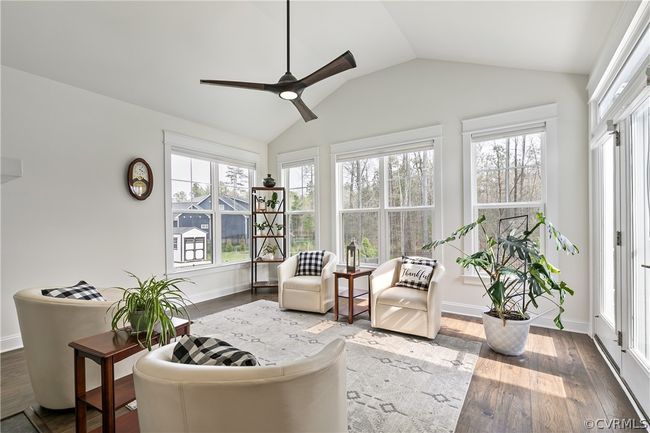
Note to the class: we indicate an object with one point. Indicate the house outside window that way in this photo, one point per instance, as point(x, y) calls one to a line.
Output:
point(208, 199)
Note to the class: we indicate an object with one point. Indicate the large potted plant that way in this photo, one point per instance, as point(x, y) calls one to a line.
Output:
point(515, 275)
point(149, 308)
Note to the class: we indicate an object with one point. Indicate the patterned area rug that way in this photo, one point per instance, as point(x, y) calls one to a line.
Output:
point(396, 383)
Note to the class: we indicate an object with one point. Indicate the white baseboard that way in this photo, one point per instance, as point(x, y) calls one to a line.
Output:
point(218, 293)
point(10, 342)
point(544, 322)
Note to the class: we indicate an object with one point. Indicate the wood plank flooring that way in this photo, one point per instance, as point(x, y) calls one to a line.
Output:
point(561, 381)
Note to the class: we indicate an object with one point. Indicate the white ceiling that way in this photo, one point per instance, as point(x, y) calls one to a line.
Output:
point(154, 53)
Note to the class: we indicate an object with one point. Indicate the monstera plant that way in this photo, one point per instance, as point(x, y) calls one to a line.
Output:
point(515, 275)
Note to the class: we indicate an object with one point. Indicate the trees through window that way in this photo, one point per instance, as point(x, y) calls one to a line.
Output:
point(507, 177)
point(386, 204)
point(299, 180)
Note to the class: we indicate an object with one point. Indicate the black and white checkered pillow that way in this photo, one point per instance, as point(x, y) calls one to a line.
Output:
point(310, 263)
point(210, 351)
point(416, 272)
point(81, 290)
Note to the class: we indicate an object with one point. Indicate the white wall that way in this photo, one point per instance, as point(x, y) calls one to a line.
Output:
point(423, 92)
point(70, 217)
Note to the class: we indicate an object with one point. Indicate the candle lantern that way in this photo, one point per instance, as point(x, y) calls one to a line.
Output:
point(352, 257)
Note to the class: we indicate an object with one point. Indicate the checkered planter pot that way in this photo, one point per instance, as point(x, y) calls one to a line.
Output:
point(509, 339)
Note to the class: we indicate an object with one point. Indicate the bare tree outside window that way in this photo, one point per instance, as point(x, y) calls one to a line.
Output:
point(402, 216)
point(508, 177)
point(299, 181)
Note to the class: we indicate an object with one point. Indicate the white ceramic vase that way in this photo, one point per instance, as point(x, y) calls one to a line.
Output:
point(509, 339)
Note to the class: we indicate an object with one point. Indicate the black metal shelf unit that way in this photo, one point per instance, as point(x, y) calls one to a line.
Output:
point(268, 226)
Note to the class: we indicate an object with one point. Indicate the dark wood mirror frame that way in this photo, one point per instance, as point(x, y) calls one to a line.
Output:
point(129, 179)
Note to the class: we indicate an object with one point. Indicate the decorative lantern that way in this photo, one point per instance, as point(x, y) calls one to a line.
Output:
point(352, 257)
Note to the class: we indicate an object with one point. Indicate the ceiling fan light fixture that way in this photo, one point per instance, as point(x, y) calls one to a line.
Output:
point(288, 87)
point(289, 95)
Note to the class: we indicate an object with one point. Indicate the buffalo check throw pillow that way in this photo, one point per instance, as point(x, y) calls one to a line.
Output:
point(310, 262)
point(416, 272)
point(81, 290)
point(210, 351)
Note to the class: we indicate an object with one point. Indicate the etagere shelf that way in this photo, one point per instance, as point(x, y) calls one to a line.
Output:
point(268, 227)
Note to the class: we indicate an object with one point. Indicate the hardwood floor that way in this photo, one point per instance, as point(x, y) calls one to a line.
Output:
point(560, 382)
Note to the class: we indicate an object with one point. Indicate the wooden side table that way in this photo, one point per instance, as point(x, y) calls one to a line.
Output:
point(106, 349)
point(351, 293)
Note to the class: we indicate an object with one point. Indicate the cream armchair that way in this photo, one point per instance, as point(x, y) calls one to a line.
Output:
point(307, 293)
point(47, 325)
point(403, 309)
point(307, 395)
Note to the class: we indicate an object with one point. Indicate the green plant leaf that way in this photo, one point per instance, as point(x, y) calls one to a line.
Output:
point(496, 292)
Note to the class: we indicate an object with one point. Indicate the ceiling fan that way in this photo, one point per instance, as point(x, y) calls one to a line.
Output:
point(288, 87)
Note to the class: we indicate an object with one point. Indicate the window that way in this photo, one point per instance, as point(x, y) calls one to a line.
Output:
point(507, 177)
point(506, 157)
point(209, 231)
point(234, 209)
point(299, 180)
point(632, 66)
point(386, 203)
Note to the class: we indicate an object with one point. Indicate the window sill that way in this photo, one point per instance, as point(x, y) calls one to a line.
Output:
point(210, 269)
point(472, 280)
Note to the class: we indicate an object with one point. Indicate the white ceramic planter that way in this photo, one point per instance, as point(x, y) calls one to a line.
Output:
point(509, 339)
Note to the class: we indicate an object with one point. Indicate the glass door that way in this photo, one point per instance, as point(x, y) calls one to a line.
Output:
point(607, 214)
point(635, 367)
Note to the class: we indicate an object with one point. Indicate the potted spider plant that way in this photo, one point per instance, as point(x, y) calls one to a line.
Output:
point(515, 275)
point(148, 309)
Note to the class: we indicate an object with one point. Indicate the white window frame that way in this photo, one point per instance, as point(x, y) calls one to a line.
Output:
point(299, 158)
point(543, 116)
point(216, 153)
point(600, 83)
point(427, 138)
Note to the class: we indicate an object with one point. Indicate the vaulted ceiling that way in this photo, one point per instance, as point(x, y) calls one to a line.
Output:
point(154, 53)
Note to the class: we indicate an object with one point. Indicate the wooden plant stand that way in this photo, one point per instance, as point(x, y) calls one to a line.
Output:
point(106, 349)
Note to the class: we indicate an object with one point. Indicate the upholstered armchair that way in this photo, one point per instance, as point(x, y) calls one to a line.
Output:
point(402, 309)
point(47, 325)
point(306, 395)
point(313, 293)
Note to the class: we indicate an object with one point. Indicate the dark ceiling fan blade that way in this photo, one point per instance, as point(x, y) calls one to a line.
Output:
point(304, 111)
point(342, 63)
point(242, 85)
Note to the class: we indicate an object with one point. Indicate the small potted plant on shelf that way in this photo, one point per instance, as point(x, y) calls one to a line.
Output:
point(260, 202)
point(262, 227)
point(273, 201)
point(515, 275)
point(150, 307)
point(268, 252)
